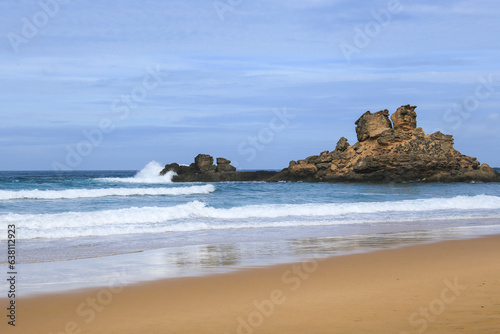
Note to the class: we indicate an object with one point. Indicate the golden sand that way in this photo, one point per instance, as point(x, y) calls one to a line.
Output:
point(446, 287)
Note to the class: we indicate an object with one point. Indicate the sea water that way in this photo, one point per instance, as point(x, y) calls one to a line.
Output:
point(104, 222)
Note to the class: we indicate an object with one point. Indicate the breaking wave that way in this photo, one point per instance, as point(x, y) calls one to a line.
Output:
point(148, 175)
point(196, 215)
point(96, 193)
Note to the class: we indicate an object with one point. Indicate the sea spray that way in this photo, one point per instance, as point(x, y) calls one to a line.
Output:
point(148, 175)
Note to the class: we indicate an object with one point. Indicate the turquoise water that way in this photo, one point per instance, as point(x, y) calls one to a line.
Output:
point(83, 214)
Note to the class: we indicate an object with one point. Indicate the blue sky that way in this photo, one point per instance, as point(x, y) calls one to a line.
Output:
point(118, 83)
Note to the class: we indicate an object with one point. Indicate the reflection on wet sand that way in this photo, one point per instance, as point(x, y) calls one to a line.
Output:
point(197, 260)
point(211, 256)
point(358, 243)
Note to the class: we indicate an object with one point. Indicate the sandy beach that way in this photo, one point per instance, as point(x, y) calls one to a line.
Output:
point(446, 287)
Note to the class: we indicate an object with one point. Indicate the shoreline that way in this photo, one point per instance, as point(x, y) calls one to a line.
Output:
point(70, 249)
point(204, 259)
point(374, 292)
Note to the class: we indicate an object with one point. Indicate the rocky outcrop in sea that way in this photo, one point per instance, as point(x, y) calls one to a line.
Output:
point(389, 149)
point(204, 170)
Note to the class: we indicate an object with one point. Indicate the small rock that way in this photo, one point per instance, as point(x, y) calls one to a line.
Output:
point(224, 165)
point(342, 144)
point(204, 163)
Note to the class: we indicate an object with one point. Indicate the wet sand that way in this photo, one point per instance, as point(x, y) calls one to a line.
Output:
point(446, 287)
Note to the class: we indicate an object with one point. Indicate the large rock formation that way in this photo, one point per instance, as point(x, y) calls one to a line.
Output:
point(388, 151)
point(204, 170)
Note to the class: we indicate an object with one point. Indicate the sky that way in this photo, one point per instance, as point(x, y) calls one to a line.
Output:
point(115, 84)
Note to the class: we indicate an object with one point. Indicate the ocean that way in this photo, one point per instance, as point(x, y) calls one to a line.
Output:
point(143, 226)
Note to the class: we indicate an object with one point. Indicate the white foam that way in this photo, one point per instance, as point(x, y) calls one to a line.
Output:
point(148, 175)
point(96, 193)
point(196, 215)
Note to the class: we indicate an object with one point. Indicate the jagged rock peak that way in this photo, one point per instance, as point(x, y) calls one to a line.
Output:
point(371, 126)
point(342, 144)
point(405, 118)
